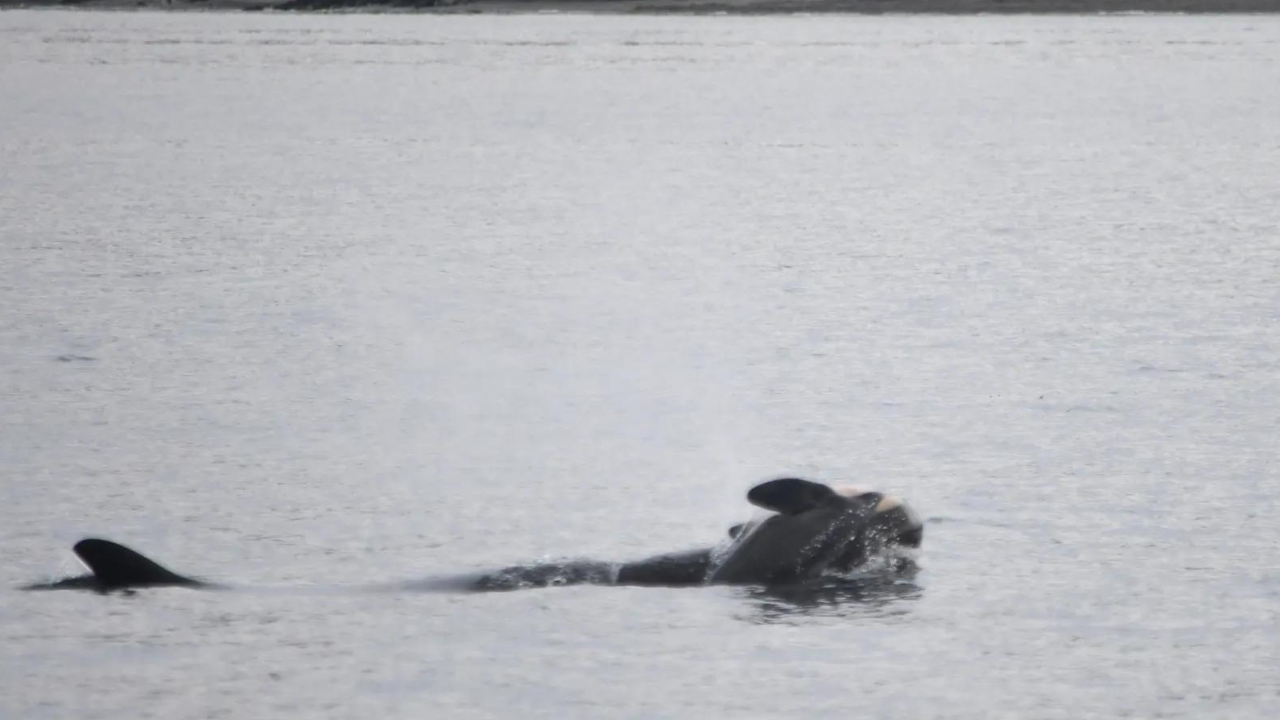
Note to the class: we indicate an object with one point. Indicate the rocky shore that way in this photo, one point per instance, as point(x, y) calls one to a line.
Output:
point(870, 7)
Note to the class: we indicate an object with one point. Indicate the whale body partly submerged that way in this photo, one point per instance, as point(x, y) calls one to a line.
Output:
point(813, 530)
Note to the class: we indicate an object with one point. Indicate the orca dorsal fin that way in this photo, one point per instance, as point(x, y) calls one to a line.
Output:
point(790, 496)
point(116, 566)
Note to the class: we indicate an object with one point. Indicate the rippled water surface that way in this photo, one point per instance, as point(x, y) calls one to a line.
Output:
point(317, 305)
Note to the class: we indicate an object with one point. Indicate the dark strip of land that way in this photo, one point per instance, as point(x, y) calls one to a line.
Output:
point(746, 7)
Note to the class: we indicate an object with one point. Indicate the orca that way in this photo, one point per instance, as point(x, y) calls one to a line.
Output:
point(814, 530)
point(115, 567)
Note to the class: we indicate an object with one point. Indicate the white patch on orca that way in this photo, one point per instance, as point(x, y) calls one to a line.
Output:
point(850, 491)
point(888, 502)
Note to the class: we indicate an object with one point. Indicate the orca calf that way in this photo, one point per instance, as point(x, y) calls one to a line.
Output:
point(814, 530)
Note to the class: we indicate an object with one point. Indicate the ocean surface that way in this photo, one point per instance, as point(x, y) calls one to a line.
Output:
point(321, 306)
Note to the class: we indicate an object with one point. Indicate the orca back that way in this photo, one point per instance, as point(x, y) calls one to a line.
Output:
point(116, 566)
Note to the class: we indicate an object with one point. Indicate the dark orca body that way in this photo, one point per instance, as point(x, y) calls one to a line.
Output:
point(674, 570)
point(801, 541)
point(116, 567)
point(815, 530)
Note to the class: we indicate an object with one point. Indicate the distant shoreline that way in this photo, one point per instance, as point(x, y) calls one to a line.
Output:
point(687, 7)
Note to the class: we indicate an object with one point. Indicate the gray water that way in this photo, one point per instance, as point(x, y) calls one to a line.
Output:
point(318, 305)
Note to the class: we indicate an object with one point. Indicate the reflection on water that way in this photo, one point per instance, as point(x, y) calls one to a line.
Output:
point(878, 593)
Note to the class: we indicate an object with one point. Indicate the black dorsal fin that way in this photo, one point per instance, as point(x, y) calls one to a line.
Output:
point(116, 566)
point(790, 496)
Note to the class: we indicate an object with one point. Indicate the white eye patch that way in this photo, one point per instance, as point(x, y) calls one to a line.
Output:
point(888, 502)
